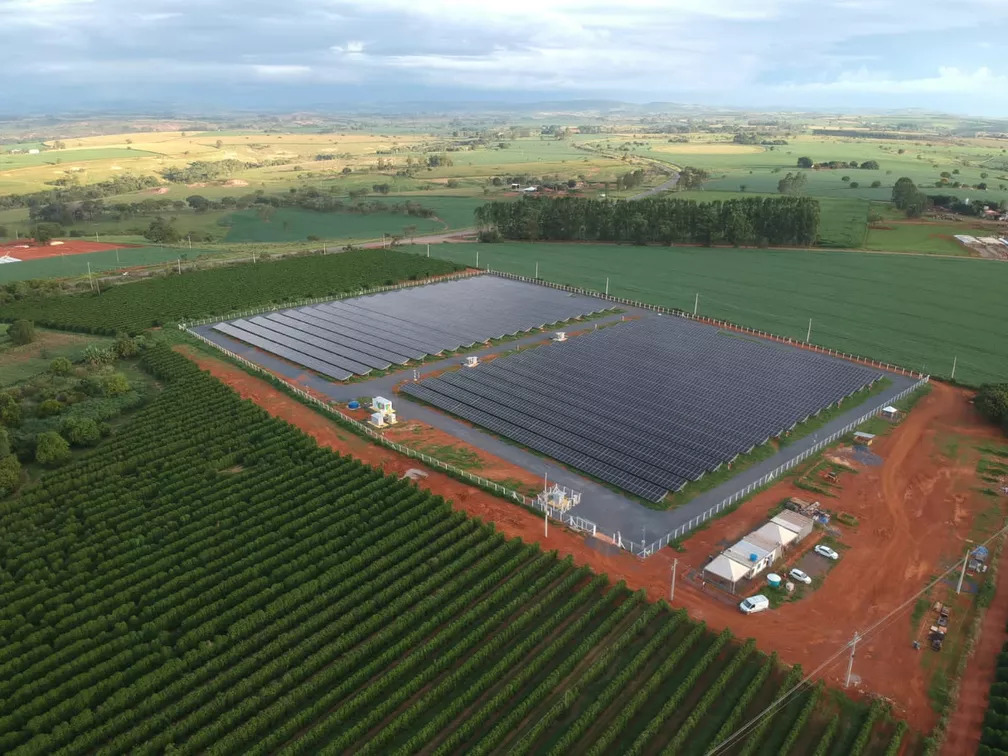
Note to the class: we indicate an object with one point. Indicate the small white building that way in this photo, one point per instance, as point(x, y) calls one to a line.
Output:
point(34, 151)
point(725, 571)
point(381, 404)
point(559, 498)
point(797, 523)
point(383, 413)
point(755, 552)
point(890, 413)
point(471, 361)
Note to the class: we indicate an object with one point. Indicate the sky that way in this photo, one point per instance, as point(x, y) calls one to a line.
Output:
point(767, 54)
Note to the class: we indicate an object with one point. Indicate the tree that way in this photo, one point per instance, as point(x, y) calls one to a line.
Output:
point(876, 184)
point(10, 410)
point(21, 332)
point(5, 444)
point(805, 162)
point(80, 431)
point(10, 473)
point(97, 355)
point(870, 165)
point(115, 384)
point(992, 402)
point(199, 203)
point(982, 186)
point(161, 231)
point(51, 449)
point(792, 183)
point(49, 407)
point(43, 233)
point(854, 185)
point(845, 178)
point(218, 144)
point(907, 197)
point(126, 346)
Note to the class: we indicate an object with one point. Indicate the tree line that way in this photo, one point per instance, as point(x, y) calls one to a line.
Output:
point(755, 221)
point(867, 165)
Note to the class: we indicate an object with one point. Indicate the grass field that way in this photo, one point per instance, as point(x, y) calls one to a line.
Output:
point(916, 311)
point(20, 362)
point(291, 224)
point(925, 238)
point(77, 265)
point(333, 609)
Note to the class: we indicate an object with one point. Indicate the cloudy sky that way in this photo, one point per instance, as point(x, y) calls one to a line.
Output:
point(934, 54)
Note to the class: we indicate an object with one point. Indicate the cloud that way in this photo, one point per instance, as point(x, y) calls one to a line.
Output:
point(767, 53)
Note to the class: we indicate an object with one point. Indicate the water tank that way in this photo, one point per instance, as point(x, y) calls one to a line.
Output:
point(354, 405)
point(754, 557)
point(774, 579)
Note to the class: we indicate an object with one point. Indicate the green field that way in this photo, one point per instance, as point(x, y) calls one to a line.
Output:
point(293, 224)
point(57, 157)
point(917, 311)
point(20, 362)
point(222, 584)
point(925, 238)
point(77, 265)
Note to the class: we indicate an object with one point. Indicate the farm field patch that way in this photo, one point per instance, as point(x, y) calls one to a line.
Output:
point(292, 224)
point(20, 362)
point(65, 265)
point(880, 306)
point(924, 237)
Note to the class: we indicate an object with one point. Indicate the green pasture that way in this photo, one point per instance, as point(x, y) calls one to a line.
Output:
point(916, 311)
point(925, 238)
point(111, 260)
point(733, 166)
point(293, 224)
point(54, 157)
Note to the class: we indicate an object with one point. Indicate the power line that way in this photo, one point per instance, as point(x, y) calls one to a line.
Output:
point(739, 733)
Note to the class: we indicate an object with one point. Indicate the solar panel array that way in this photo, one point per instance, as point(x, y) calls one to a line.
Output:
point(349, 337)
point(647, 405)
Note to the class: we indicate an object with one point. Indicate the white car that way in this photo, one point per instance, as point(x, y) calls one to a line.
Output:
point(800, 576)
point(826, 551)
point(754, 604)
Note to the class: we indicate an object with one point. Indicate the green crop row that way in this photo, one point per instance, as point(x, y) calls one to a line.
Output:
point(135, 307)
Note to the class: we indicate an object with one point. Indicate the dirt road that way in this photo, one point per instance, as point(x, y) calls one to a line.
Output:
point(914, 513)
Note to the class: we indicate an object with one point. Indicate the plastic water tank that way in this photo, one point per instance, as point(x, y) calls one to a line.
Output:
point(354, 405)
point(774, 579)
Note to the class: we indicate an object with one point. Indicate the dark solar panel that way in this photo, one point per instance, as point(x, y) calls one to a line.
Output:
point(647, 405)
point(391, 328)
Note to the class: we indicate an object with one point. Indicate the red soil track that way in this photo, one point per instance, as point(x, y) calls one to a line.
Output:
point(914, 513)
point(75, 247)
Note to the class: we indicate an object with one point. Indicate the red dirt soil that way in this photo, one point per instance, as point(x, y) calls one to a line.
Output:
point(914, 513)
point(74, 247)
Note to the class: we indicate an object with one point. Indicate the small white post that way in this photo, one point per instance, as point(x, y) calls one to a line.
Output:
point(117, 253)
point(696, 302)
point(253, 256)
point(808, 336)
point(671, 595)
point(428, 250)
point(96, 237)
point(962, 574)
point(954, 360)
point(607, 286)
point(546, 521)
point(190, 241)
point(477, 259)
point(180, 266)
point(850, 662)
point(537, 269)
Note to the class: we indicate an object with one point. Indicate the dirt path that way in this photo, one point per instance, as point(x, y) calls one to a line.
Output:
point(914, 512)
point(966, 724)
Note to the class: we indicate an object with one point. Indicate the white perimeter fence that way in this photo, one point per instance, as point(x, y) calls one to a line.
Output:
point(641, 548)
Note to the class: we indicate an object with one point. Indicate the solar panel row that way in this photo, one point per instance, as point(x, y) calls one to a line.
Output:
point(355, 336)
point(648, 405)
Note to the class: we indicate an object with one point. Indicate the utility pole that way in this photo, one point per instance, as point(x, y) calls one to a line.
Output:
point(477, 259)
point(180, 266)
point(954, 360)
point(253, 256)
point(696, 302)
point(323, 247)
point(808, 336)
point(607, 286)
point(117, 253)
point(90, 279)
point(537, 269)
point(96, 237)
point(428, 250)
point(190, 241)
point(671, 593)
point(962, 574)
point(850, 662)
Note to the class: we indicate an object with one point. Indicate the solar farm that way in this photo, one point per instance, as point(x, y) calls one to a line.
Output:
point(344, 338)
point(649, 405)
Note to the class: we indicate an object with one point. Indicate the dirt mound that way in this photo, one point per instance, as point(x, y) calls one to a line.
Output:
point(236, 182)
point(26, 249)
point(160, 190)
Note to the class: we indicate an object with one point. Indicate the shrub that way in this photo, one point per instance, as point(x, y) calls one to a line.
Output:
point(48, 408)
point(61, 366)
point(80, 431)
point(115, 384)
point(51, 449)
point(21, 332)
point(10, 473)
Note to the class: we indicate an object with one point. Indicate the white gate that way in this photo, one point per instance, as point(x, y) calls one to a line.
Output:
point(580, 523)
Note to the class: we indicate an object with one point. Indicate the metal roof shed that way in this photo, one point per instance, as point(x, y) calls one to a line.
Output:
point(799, 523)
point(777, 533)
point(725, 572)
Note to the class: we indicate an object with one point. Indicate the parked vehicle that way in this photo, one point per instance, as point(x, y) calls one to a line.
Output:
point(800, 576)
point(826, 551)
point(754, 604)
